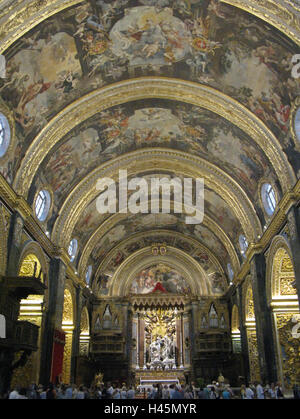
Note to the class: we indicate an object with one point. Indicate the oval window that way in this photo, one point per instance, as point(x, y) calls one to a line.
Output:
point(268, 197)
point(72, 250)
point(42, 205)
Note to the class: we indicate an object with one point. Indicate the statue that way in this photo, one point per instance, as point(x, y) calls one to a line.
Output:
point(162, 354)
point(155, 353)
point(98, 379)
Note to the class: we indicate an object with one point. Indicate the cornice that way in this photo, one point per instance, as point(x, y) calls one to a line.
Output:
point(18, 203)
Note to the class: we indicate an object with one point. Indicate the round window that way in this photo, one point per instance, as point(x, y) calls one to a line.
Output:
point(4, 134)
point(42, 205)
point(268, 197)
point(72, 250)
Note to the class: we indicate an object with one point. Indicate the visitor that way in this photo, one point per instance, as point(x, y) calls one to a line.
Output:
point(178, 393)
point(14, 394)
point(226, 394)
point(165, 392)
point(110, 390)
point(279, 391)
point(296, 391)
point(69, 392)
point(50, 392)
point(249, 393)
point(123, 392)
point(80, 393)
point(22, 394)
point(213, 394)
point(243, 391)
point(201, 394)
point(131, 393)
point(259, 391)
point(116, 393)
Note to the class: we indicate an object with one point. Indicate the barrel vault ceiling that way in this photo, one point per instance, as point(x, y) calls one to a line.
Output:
point(197, 88)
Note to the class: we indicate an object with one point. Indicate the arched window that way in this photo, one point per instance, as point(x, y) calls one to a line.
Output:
point(230, 271)
point(243, 244)
point(4, 134)
point(88, 274)
point(72, 250)
point(268, 197)
point(42, 205)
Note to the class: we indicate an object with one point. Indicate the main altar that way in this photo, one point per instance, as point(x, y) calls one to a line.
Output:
point(160, 339)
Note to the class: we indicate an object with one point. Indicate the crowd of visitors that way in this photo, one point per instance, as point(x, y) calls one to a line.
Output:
point(157, 391)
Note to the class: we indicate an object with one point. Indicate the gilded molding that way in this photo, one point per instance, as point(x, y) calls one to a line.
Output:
point(282, 14)
point(206, 222)
point(185, 264)
point(139, 238)
point(17, 19)
point(159, 88)
point(147, 159)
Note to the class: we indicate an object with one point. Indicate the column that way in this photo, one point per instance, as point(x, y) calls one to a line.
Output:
point(294, 239)
point(264, 324)
point(14, 244)
point(53, 316)
point(76, 333)
point(244, 340)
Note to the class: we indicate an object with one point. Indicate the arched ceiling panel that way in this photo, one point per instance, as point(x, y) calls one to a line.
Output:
point(96, 44)
point(153, 123)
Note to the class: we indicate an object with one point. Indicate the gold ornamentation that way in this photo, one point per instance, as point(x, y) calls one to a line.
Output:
point(253, 356)
point(289, 349)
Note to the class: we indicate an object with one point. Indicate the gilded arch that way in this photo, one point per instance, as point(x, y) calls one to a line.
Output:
point(175, 258)
point(159, 88)
point(85, 192)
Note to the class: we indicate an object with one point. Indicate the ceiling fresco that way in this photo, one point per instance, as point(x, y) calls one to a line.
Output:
point(147, 223)
point(165, 124)
point(98, 43)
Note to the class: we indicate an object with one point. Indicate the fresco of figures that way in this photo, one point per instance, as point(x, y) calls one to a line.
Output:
point(111, 264)
point(159, 277)
point(127, 128)
point(135, 224)
point(99, 42)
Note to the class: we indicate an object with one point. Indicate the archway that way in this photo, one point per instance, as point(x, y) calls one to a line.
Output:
point(32, 264)
point(283, 300)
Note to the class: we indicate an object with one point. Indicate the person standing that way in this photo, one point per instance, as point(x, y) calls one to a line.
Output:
point(249, 393)
point(260, 391)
